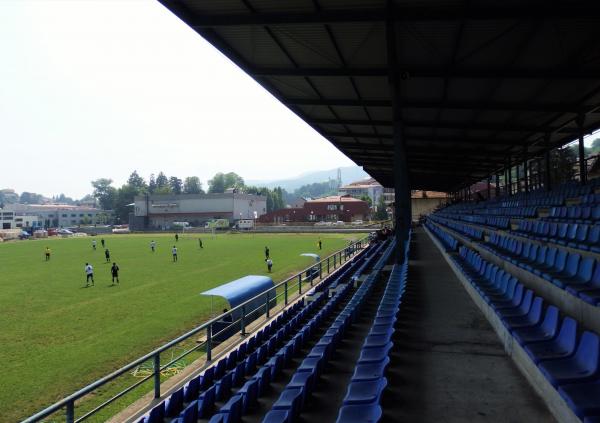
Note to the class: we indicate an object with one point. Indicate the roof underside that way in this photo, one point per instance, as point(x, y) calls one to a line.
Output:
point(480, 81)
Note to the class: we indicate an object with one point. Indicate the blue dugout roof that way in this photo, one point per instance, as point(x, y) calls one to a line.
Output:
point(240, 290)
point(313, 255)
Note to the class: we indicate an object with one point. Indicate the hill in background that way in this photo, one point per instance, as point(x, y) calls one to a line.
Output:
point(349, 174)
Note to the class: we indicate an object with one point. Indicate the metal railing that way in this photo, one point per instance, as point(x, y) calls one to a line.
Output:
point(285, 291)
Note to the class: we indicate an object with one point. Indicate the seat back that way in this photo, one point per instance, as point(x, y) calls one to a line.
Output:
point(550, 322)
point(588, 352)
point(572, 264)
point(568, 334)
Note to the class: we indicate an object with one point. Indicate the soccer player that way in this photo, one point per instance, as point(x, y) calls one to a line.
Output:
point(89, 274)
point(269, 264)
point(152, 245)
point(102, 242)
point(320, 244)
point(266, 252)
point(47, 253)
point(107, 255)
point(94, 244)
point(114, 271)
point(176, 237)
point(200, 242)
point(174, 251)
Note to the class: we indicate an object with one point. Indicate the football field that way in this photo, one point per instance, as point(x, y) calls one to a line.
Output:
point(56, 336)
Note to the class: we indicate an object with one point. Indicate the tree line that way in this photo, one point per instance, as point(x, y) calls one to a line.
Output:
point(119, 199)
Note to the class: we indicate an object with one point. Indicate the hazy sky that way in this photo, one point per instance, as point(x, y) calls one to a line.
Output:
point(98, 88)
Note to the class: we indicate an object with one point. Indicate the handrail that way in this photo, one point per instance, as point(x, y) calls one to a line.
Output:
point(69, 401)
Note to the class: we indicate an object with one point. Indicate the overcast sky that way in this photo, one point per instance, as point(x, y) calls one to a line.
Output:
point(98, 88)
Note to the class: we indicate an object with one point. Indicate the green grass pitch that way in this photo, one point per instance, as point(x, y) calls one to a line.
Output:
point(57, 336)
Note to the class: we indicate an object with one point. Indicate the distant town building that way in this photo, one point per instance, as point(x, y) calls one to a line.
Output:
point(328, 209)
point(161, 211)
point(49, 215)
point(366, 187)
point(8, 195)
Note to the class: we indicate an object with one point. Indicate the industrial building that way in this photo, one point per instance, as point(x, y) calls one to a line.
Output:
point(161, 211)
point(50, 215)
point(327, 209)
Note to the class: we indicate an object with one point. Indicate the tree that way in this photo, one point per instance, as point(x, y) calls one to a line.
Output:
point(152, 184)
point(31, 198)
point(125, 196)
point(192, 185)
point(104, 193)
point(563, 164)
point(136, 181)
point(176, 185)
point(366, 198)
point(162, 180)
point(381, 213)
point(222, 181)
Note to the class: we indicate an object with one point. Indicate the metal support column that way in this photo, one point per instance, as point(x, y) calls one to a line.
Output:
point(497, 190)
point(402, 216)
point(525, 169)
point(510, 190)
point(582, 167)
point(489, 187)
point(547, 179)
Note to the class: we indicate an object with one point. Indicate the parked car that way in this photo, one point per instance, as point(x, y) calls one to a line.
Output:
point(24, 235)
point(340, 223)
point(357, 222)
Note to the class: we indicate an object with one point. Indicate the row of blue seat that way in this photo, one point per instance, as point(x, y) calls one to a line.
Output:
point(574, 235)
point(363, 396)
point(579, 276)
point(449, 242)
point(466, 230)
point(293, 398)
point(198, 397)
point(577, 214)
point(570, 363)
point(590, 199)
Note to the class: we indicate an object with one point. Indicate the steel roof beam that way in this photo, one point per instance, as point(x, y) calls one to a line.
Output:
point(432, 124)
point(533, 11)
point(416, 71)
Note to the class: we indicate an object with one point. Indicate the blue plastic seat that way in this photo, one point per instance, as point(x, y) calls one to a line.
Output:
point(544, 331)
point(249, 392)
point(581, 367)
point(290, 399)
point(532, 317)
point(157, 414)
point(582, 398)
point(520, 310)
point(278, 416)
point(190, 413)
point(561, 346)
point(263, 376)
point(569, 271)
point(558, 266)
point(365, 392)
point(238, 375)
point(206, 402)
point(207, 379)
point(369, 413)
point(305, 381)
point(192, 389)
point(224, 387)
point(174, 404)
point(370, 371)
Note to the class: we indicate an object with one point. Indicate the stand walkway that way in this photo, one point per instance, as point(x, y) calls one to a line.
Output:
point(448, 364)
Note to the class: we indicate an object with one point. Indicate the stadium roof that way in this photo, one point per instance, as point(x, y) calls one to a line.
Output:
point(478, 80)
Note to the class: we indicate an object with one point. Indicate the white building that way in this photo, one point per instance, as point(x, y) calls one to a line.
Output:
point(369, 187)
point(162, 210)
point(52, 215)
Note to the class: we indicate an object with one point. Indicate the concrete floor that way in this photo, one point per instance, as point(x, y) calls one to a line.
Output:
point(448, 365)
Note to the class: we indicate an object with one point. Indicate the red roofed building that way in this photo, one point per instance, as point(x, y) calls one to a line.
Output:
point(328, 209)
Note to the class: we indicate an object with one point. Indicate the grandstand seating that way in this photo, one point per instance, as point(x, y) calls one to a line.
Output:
point(568, 359)
point(232, 386)
point(579, 276)
point(445, 238)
